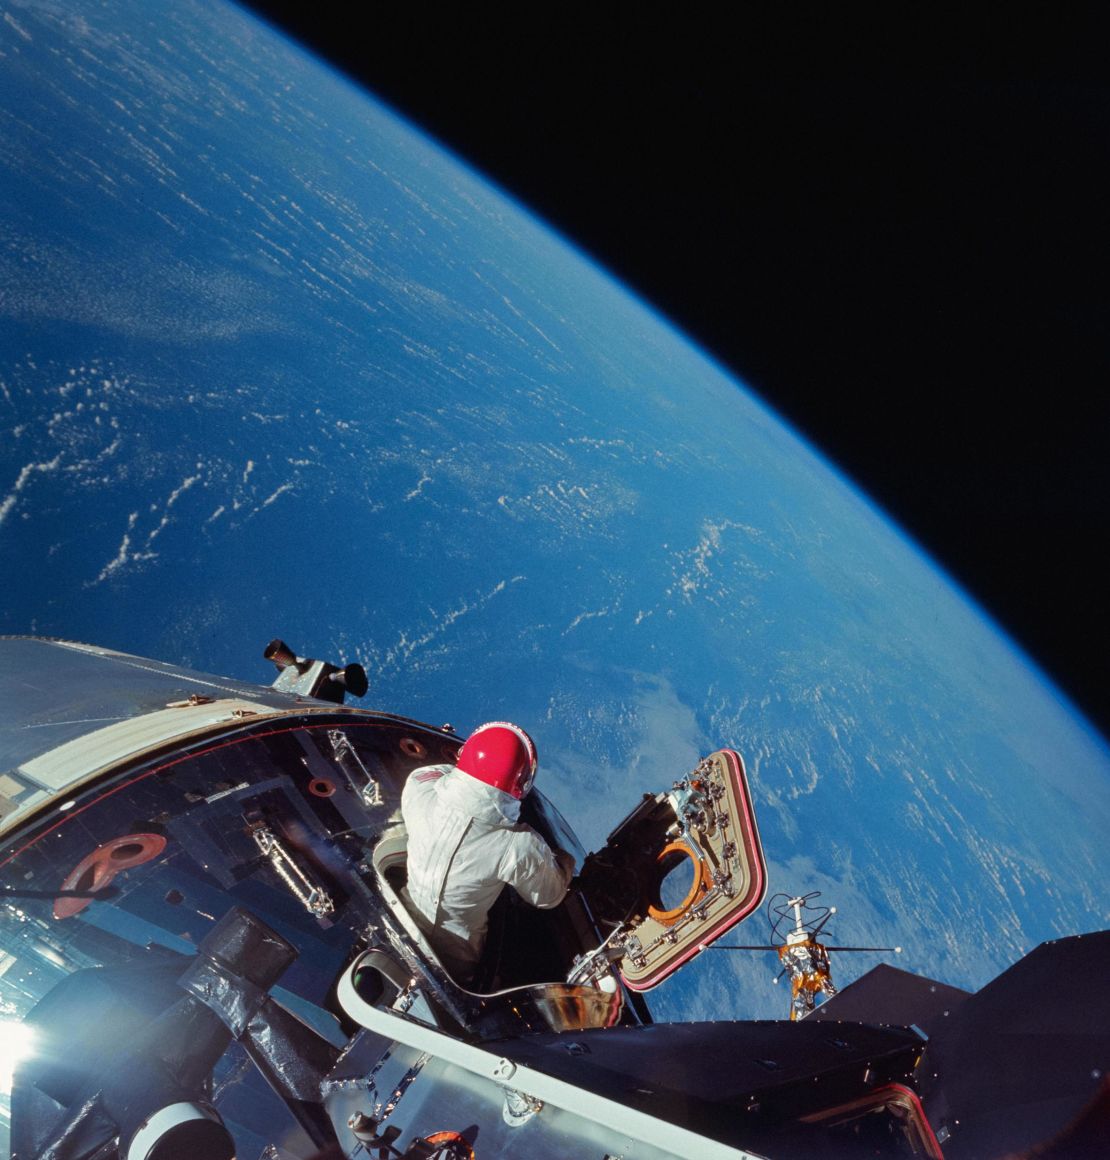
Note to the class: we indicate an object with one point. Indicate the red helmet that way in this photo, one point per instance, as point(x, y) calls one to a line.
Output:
point(501, 755)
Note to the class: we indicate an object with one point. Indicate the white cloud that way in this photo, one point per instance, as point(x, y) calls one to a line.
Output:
point(24, 477)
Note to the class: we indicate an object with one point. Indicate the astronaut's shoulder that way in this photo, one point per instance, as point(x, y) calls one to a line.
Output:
point(428, 773)
point(423, 782)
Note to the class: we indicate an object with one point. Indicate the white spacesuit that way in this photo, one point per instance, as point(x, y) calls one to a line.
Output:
point(466, 843)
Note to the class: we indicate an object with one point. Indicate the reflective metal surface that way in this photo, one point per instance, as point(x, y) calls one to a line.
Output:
point(569, 1008)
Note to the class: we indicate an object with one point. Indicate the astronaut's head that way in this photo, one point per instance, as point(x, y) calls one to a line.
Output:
point(502, 755)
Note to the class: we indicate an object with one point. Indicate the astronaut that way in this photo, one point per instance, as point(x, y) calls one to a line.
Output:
point(466, 843)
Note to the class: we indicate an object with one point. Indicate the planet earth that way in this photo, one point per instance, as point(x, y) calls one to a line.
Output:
point(273, 363)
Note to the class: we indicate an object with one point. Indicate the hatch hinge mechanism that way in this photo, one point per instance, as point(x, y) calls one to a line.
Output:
point(365, 784)
point(300, 881)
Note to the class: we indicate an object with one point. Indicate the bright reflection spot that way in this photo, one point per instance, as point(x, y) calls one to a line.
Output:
point(17, 1042)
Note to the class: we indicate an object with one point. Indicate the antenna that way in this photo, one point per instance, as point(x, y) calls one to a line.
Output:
point(804, 958)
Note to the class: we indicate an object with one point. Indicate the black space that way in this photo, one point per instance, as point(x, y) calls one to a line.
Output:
point(892, 225)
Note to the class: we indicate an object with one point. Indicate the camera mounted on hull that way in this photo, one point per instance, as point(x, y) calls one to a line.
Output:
point(312, 678)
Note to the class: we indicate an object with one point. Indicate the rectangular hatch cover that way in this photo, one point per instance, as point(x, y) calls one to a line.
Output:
point(684, 867)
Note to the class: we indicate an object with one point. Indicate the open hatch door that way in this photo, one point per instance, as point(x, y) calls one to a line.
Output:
point(679, 871)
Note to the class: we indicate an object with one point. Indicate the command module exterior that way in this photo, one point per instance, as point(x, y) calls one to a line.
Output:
point(204, 952)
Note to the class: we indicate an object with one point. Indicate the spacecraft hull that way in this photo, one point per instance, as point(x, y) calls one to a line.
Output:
point(203, 927)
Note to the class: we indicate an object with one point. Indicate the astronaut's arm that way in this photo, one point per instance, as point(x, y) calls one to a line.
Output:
point(542, 875)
